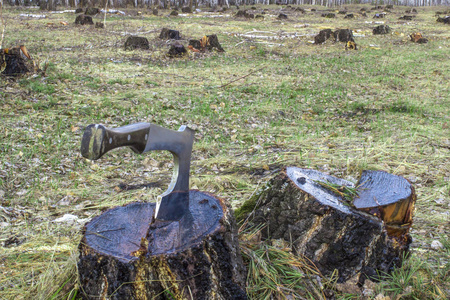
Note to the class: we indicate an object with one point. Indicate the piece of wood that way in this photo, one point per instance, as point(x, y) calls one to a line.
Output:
point(391, 198)
point(125, 254)
point(325, 227)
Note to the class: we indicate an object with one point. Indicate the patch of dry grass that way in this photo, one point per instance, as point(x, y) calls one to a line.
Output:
point(384, 107)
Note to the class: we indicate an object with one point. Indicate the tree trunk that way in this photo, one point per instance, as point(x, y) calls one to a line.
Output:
point(322, 225)
point(126, 254)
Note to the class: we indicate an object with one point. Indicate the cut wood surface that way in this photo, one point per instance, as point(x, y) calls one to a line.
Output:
point(325, 227)
point(124, 255)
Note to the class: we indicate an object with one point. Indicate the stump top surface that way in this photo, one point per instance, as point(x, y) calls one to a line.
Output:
point(120, 231)
point(379, 188)
point(305, 180)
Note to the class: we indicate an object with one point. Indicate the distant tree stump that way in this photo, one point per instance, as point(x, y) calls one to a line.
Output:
point(92, 11)
point(124, 254)
point(343, 35)
point(282, 16)
point(169, 34)
point(333, 234)
point(12, 62)
point(176, 50)
point(84, 20)
point(136, 42)
point(186, 10)
point(329, 15)
point(382, 29)
point(323, 36)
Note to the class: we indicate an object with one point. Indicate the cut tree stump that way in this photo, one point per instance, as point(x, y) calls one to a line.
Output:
point(311, 211)
point(13, 61)
point(125, 254)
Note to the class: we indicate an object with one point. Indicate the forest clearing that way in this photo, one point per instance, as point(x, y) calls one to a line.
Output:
point(273, 98)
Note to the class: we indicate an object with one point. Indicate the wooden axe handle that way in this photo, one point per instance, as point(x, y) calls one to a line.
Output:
point(98, 139)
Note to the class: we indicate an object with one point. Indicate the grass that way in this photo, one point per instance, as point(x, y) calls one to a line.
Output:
point(262, 105)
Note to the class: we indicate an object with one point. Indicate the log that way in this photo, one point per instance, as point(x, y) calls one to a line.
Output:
point(126, 254)
point(312, 211)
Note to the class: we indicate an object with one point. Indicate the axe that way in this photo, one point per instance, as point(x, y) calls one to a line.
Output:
point(142, 137)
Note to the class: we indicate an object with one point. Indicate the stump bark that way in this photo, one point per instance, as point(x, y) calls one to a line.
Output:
point(125, 254)
point(12, 63)
point(333, 232)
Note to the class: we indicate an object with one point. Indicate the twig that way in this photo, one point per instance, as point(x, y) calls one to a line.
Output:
point(242, 77)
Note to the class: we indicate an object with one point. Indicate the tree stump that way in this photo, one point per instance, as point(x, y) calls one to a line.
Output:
point(169, 34)
point(136, 42)
point(362, 238)
point(126, 254)
point(13, 61)
point(84, 20)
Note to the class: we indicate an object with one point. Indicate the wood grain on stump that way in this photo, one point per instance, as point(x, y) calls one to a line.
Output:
point(124, 255)
point(329, 230)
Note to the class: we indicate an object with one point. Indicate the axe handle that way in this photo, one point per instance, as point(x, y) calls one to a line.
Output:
point(98, 139)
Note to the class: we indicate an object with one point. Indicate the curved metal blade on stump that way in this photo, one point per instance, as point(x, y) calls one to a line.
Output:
point(142, 137)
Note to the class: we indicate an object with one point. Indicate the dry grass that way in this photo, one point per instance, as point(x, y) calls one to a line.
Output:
point(384, 107)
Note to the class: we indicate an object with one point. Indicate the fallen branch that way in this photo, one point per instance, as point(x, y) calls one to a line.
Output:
point(242, 77)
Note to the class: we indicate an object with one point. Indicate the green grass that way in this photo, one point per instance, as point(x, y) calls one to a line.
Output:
point(255, 109)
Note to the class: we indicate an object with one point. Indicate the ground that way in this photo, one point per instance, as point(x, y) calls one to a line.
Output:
point(272, 99)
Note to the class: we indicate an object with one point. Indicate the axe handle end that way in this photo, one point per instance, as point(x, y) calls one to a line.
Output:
point(98, 139)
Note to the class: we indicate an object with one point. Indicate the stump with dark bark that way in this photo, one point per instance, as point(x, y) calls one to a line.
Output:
point(92, 11)
point(13, 62)
point(382, 29)
point(323, 36)
point(84, 20)
point(186, 10)
point(176, 50)
point(310, 210)
point(136, 42)
point(169, 34)
point(126, 254)
point(343, 35)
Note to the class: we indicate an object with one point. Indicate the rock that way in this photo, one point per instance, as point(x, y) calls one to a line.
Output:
point(84, 20)
point(136, 42)
point(382, 29)
point(436, 245)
